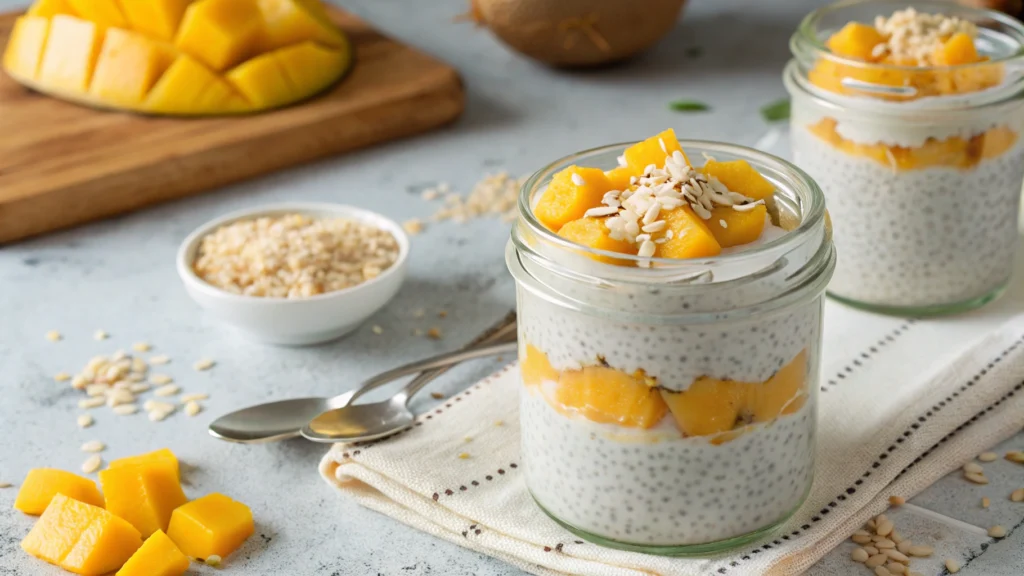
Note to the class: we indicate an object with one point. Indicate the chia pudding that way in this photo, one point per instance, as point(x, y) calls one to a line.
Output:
point(912, 130)
point(670, 365)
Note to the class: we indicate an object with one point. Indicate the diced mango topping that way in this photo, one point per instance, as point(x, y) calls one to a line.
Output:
point(163, 455)
point(619, 177)
point(593, 233)
point(211, 525)
point(856, 40)
point(178, 57)
point(609, 396)
point(158, 556)
point(535, 368)
point(570, 194)
point(691, 236)
point(959, 49)
point(734, 228)
point(740, 176)
point(144, 493)
point(42, 484)
point(652, 151)
point(81, 538)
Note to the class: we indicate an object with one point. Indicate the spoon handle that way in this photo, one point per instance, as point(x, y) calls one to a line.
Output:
point(503, 331)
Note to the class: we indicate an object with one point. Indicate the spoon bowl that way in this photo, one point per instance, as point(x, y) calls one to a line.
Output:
point(273, 421)
point(361, 421)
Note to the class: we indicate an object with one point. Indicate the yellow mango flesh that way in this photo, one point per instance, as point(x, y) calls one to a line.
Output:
point(50, 8)
point(708, 406)
point(106, 13)
point(128, 66)
point(182, 88)
point(691, 237)
point(262, 81)
point(619, 177)
point(734, 228)
point(739, 176)
point(309, 68)
point(220, 33)
point(534, 366)
point(593, 233)
point(163, 455)
point(213, 524)
point(654, 150)
point(294, 21)
point(144, 494)
point(42, 484)
point(783, 393)
point(70, 55)
point(959, 49)
point(564, 200)
point(28, 38)
point(156, 18)
point(158, 556)
point(855, 40)
point(609, 396)
point(81, 538)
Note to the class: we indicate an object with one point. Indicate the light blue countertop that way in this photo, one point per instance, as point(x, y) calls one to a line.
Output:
point(118, 276)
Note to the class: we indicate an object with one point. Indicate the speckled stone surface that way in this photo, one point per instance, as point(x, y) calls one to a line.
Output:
point(118, 275)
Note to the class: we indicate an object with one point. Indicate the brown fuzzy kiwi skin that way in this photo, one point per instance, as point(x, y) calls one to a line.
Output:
point(578, 33)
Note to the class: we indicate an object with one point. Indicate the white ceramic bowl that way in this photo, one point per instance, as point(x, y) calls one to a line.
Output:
point(296, 321)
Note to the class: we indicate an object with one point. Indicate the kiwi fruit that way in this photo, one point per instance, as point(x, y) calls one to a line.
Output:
point(577, 33)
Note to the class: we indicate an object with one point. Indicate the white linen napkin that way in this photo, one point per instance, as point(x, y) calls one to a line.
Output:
point(902, 403)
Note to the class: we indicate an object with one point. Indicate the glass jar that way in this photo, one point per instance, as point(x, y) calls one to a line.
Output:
point(668, 406)
point(921, 166)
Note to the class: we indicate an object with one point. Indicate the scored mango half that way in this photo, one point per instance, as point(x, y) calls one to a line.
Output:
point(178, 57)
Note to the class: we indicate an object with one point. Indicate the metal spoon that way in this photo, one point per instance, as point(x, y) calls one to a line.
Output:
point(356, 422)
point(284, 419)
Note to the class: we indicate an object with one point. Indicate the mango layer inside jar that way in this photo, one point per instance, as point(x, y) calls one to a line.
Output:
point(575, 190)
point(721, 410)
point(858, 41)
point(952, 152)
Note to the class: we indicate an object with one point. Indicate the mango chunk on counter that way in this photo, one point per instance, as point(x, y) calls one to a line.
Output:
point(783, 393)
point(855, 40)
point(732, 227)
point(709, 406)
point(81, 538)
point(158, 556)
point(220, 33)
point(740, 176)
point(185, 87)
point(610, 396)
point(145, 494)
point(570, 194)
point(619, 177)
point(50, 8)
point(654, 150)
point(289, 22)
point(157, 18)
point(691, 237)
point(28, 39)
point(70, 55)
point(163, 455)
point(534, 366)
point(213, 524)
point(105, 13)
point(128, 66)
point(593, 233)
point(41, 485)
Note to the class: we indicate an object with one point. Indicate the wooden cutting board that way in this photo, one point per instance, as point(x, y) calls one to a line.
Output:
point(62, 164)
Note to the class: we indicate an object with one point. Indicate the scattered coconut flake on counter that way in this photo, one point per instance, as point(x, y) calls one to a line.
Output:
point(94, 446)
point(54, 336)
point(203, 364)
point(168, 390)
point(62, 377)
point(125, 409)
point(294, 256)
point(92, 464)
point(377, 330)
point(194, 397)
point(161, 359)
point(141, 347)
point(192, 408)
point(160, 379)
point(5, 485)
point(494, 195)
point(413, 226)
point(100, 335)
point(988, 457)
point(85, 420)
point(212, 560)
point(434, 333)
point(1017, 495)
point(437, 396)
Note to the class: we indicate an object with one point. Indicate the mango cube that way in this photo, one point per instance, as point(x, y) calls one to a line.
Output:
point(288, 22)
point(43, 484)
point(593, 233)
point(570, 194)
point(128, 66)
point(739, 176)
point(654, 150)
point(81, 538)
point(309, 67)
point(708, 406)
point(959, 49)
point(691, 237)
point(49, 8)
point(145, 494)
point(261, 81)
point(610, 396)
point(732, 227)
point(157, 18)
point(213, 524)
point(105, 13)
point(855, 40)
point(619, 177)
point(162, 455)
point(157, 557)
point(70, 54)
point(28, 38)
point(220, 33)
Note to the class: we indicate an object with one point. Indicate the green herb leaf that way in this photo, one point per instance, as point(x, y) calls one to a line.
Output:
point(778, 110)
point(689, 106)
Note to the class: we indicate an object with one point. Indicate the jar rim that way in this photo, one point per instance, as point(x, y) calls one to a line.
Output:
point(811, 216)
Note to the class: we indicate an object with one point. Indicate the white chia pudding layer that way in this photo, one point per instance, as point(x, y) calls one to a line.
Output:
point(668, 492)
point(747, 349)
point(917, 238)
